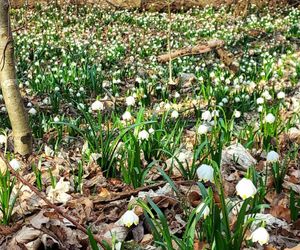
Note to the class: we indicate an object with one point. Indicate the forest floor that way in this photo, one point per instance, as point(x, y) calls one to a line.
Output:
point(199, 153)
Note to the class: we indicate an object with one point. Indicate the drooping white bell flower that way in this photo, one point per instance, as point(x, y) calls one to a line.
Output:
point(237, 114)
point(59, 193)
point(260, 235)
point(126, 116)
point(245, 188)
point(56, 119)
point(266, 95)
point(272, 156)
point(270, 118)
point(130, 101)
point(32, 111)
point(3, 139)
point(204, 209)
point(97, 106)
point(281, 95)
point(168, 106)
point(129, 218)
point(203, 129)
point(143, 135)
point(260, 100)
point(15, 164)
point(151, 131)
point(206, 116)
point(175, 114)
point(260, 109)
point(225, 100)
point(215, 113)
point(205, 173)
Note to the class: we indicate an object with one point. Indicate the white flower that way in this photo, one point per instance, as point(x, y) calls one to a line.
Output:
point(151, 131)
point(225, 100)
point(174, 114)
point(237, 99)
point(272, 156)
point(143, 135)
point(47, 101)
point(97, 105)
point(56, 89)
point(260, 109)
point(176, 95)
point(56, 119)
point(168, 106)
point(205, 173)
point(59, 193)
point(32, 111)
point(204, 209)
point(80, 106)
point(260, 235)
point(206, 116)
point(118, 245)
point(266, 95)
point(15, 164)
point(281, 95)
point(270, 118)
point(139, 80)
point(260, 100)
point(126, 116)
point(215, 113)
point(203, 129)
point(3, 139)
point(129, 218)
point(237, 114)
point(245, 188)
point(130, 101)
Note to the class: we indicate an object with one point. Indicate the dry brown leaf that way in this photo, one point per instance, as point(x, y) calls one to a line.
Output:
point(200, 245)
point(270, 247)
point(281, 212)
point(104, 193)
point(146, 241)
point(24, 236)
point(194, 198)
point(39, 219)
point(293, 248)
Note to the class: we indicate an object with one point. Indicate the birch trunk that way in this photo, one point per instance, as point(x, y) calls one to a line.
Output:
point(12, 97)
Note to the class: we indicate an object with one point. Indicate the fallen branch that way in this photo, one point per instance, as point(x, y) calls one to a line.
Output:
point(128, 194)
point(196, 50)
point(57, 209)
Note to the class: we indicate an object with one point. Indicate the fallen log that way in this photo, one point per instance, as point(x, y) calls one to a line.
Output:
point(195, 50)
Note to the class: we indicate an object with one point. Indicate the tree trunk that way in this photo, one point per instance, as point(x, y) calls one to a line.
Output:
point(12, 97)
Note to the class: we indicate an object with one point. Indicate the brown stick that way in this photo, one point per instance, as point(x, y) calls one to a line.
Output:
point(124, 195)
point(198, 49)
point(44, 198)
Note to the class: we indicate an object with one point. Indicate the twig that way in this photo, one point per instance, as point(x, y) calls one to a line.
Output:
point(57, 209)
point(125, 195)
point(187, 51)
